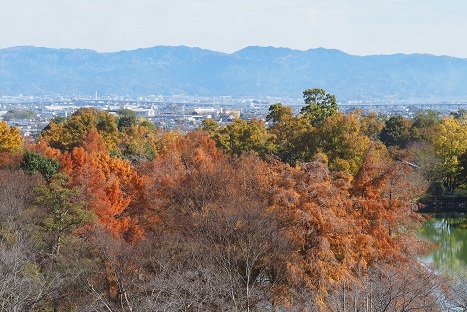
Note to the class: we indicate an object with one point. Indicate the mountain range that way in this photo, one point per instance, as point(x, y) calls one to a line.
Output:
point(252, 71)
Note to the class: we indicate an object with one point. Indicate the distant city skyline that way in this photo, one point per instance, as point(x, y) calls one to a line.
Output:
point(360, 27)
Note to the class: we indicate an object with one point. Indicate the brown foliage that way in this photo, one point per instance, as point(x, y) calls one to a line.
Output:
point(235, 233)
point(340, 229)
point(313, 210)
point(221, 203)
point(10, 160)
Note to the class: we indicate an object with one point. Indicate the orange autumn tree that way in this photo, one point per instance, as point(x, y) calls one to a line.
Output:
point(107, 184)
point(385, 193)
point(185, 176)
point(110, 187)
point(317, 212)
point(340, 226)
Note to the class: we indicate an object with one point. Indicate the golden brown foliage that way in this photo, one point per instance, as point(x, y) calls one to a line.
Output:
point(189, 221)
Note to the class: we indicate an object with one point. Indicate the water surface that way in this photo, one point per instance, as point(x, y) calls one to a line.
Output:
point(449, 233)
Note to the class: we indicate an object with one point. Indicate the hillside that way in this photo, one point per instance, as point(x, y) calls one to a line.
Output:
point(304, 215)
point(251, 71)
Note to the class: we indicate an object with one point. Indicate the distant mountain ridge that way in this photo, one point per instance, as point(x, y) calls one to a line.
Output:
point(252, 71)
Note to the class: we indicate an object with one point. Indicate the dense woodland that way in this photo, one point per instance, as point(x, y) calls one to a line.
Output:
point(315, 212)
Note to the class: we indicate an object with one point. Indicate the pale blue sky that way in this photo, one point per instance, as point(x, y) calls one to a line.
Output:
point(360, 27)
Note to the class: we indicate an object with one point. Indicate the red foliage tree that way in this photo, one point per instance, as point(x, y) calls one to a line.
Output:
point(108, 184)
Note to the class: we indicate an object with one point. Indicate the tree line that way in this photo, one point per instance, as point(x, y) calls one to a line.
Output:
point(436, 144)
point(314, 212)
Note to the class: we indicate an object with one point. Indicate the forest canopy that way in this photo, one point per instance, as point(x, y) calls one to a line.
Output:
point(314, 212)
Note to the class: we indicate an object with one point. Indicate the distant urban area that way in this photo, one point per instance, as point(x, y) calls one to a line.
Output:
point(182, 112)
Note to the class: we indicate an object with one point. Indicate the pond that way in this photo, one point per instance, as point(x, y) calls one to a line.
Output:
point(449, 233)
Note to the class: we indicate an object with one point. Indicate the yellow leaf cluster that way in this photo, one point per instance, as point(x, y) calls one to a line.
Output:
point(10, 138)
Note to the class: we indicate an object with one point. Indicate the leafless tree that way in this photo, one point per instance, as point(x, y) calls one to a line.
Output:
point(409, 287)
point(26, 284)
point(246, 242)
point(457, 299)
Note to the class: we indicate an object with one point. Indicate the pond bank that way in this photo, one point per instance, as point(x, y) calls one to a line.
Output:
point(444, 204)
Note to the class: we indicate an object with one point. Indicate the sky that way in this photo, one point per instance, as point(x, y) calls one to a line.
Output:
point(358, 27)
